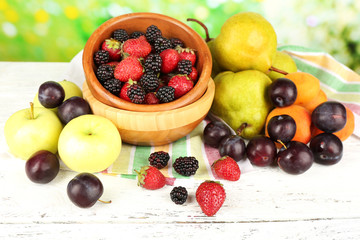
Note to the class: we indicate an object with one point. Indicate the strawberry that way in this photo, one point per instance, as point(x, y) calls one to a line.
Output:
point(150, 98)
point(193, 75)
point(210, 196)
point(170, 58)
point(137, 47)
point(181, 83)
point(113, 47)
point(129, 68)
point(187, 54)
point(227, 168)
point(151, 178)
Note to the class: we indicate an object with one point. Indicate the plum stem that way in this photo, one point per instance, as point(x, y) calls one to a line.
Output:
point(278, 70)
point(32, 110)
point(279, 141)
point(104, 201)
point(207, 39)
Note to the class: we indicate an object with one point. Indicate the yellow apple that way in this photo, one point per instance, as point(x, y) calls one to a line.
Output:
point(30, 130)
point(89, 143)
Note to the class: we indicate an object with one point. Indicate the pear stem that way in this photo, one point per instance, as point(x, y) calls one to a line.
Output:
point(32, 110)
point(207, 39)
point(279, 141)
point(278, 70)
point(104, 201)
point(241, 128)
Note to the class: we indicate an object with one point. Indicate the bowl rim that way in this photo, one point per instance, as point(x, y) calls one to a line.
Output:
point(107, 98)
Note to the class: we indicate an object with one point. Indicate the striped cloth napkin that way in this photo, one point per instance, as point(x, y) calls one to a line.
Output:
point(337, 81)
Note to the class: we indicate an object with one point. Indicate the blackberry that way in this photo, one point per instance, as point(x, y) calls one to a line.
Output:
point(179, 195)
point(136, 34)
point(166, 94)
point(161, 43)
point(121, 35)
point(184, 66)
point(159, 159)
point(149, 81)
point(176, 42)
point(186, 166)
point(136, 93)
point(113, 85)
point(153, 63)
point(101, 57)
point(104, 72)
point(152, 33)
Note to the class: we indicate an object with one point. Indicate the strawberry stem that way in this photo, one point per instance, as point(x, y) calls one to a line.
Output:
point(207, 39)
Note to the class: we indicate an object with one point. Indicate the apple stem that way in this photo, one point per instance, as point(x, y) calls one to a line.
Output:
point(278, 70)
point(241, 128)
point(104, 201)
point(32, 110)
point(279, 141)
point(207, 39)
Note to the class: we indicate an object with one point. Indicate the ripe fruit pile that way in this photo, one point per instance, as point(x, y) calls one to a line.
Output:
point(303, 124)
point(145, 68)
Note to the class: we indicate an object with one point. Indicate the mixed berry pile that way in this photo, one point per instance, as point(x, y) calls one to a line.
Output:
point(145, 67)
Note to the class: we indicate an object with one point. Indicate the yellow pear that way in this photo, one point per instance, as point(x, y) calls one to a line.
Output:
point(282, 62)
point(241, 100)
point(246, 41)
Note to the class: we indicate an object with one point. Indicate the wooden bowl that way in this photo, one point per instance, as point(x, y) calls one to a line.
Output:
point(170, 27)
point(154, 128)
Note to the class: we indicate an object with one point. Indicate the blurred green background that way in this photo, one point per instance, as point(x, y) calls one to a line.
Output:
point(56, 30)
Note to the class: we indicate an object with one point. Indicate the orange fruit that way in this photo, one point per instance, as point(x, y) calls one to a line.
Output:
point(343, 133)
point(320, 98)
point(308, 86)
point(302, 118)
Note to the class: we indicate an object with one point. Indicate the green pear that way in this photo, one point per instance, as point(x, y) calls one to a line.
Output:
point(241, 100)
point(246, 41)
point(282, 62)
point(215, 66)
point(70, 88)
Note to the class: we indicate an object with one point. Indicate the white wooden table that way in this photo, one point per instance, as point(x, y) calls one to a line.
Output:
point(323, 203)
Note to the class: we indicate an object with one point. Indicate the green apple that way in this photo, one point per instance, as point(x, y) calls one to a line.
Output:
point(70, 88)
point(89, 143)
point(30, 130)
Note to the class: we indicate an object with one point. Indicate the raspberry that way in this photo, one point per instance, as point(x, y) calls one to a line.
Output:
point(186, 166)
point(101, 57)
point(121, 35)
point(153, 63)
point(150, 98)
point(162, 43)
point(149, 81)
point(176, 42)
point(113, 85)
point(152, 33)
point(104, 72)
point(136, 34)
point(184, 66)
point(136, 93)
point(179, 195)
point(166, 94)
point(159, 159)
